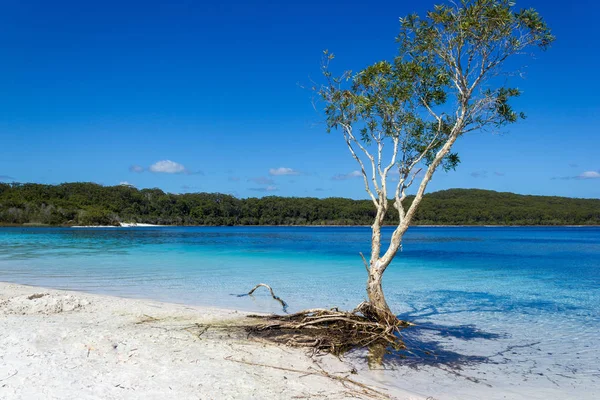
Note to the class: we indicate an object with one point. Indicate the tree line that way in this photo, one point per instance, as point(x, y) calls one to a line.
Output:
point(93, 204)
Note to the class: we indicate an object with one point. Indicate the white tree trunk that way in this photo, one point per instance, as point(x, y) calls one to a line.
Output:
point(378, 305)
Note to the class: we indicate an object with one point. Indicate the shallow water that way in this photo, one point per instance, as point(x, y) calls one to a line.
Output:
point(517, 308)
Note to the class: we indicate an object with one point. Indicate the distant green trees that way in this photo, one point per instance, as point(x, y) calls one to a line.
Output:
point(92, 204)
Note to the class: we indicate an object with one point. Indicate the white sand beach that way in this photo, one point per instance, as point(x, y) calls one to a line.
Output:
point(70, 345)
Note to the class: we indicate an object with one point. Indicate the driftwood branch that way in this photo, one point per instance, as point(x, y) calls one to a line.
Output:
point(365, 390)
point(284, 305)
point(10, 375)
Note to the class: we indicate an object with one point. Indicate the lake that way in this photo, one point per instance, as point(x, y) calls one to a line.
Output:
point(515, 308)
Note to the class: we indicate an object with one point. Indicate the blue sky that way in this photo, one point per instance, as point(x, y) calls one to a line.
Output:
point(205, 96)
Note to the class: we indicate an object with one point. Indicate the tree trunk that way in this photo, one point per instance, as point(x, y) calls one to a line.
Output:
point(379, 308)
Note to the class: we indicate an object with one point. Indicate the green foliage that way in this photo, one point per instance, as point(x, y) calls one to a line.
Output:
point(447, 79)
point(91, 204)
point(468, 44)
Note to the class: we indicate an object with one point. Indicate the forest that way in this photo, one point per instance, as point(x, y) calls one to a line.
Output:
point(92, 204)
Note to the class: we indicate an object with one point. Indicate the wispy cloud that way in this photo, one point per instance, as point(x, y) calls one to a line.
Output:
point(343, 177)
point(589, 175)
point(261, 180)
point(479, 174)
point(6, 178)
point(269, 188)
point(283, 171)
point(583, 176)
point(234, 179)
point(136, 168)
point(573, 165)
point(125, 183)
point(188, 187)
point(483, 174)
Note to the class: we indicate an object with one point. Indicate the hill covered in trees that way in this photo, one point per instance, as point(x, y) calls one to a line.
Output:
point(93, 204)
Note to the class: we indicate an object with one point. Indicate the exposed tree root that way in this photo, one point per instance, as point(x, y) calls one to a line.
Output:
point(146, 319)
point(330, 331)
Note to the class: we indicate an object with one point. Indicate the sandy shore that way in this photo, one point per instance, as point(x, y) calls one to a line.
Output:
point(71, 345)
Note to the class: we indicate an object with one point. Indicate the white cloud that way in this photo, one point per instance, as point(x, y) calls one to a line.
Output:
point(343, 177)
point(125, 183)
point(283, 171)
point(167, 167)
point(590, 175)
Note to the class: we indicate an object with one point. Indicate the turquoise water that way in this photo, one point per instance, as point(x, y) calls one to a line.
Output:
point(474, 292)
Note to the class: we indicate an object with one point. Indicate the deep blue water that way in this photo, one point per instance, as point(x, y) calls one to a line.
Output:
point(464, 284)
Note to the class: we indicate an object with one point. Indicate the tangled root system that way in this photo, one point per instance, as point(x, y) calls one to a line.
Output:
point(330, 331)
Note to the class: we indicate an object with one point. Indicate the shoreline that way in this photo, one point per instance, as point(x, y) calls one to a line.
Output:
point(144, 225)
point(71, 344)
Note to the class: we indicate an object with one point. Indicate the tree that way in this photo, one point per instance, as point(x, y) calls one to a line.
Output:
point(401, 118)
